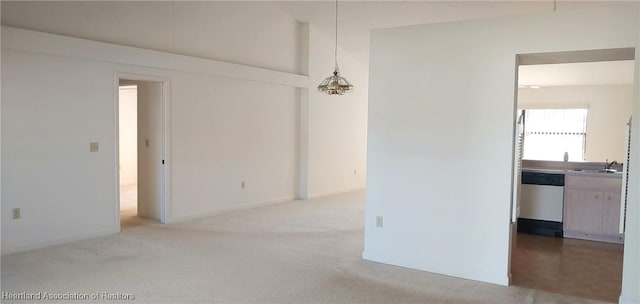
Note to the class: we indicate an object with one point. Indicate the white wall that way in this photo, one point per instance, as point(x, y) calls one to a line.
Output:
point(251, 33)
point(150, 148)
point(223, 131)
point(229, 122)
point(64, 191)
point(227, 133)
point(441, 119)
point(609, 111)
point(128, 143)
point(631, 261)
point(337, 124)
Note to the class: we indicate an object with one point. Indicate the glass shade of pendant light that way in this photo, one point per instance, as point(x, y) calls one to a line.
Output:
point(335, 84)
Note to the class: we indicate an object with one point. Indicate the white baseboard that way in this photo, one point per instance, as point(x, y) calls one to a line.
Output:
point(469, 274)
point(593, 237)
point(319, 195)
point(626, 300)
point(243, 206)
point(57, 241)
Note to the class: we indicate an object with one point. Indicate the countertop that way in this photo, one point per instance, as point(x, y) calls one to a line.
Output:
point(593, 173)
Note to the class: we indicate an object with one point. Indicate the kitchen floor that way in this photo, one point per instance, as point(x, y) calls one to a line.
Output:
point(566, 266)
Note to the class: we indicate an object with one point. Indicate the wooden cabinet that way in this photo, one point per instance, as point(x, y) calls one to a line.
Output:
point(611, 213)
point(592, 207)
point(582, 211)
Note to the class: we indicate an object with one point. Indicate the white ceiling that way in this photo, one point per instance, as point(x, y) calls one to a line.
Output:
point(357, 18)
point(573, 74)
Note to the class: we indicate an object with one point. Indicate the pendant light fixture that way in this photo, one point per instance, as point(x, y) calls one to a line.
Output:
point(335, 84)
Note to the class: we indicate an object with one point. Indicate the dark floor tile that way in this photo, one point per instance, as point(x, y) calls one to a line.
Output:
point(573, 267)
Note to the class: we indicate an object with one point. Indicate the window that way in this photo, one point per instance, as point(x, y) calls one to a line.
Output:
point(549, 133)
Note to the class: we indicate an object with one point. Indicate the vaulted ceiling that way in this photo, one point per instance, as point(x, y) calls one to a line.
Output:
point(357, 18)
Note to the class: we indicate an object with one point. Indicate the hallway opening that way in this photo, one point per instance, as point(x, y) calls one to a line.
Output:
point(140, 152)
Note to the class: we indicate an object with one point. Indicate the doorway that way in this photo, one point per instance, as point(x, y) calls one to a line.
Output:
point(572, 112)
point(141, 153)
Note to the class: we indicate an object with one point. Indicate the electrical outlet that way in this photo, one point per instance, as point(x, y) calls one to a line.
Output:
point(379, 223)
point(16, 213)
point(242, 185)
point(355, 172)
point(146, 143)
point(94, 146)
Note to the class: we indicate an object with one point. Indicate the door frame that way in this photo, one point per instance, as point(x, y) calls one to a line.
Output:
point(165, 202)
point(576, 56)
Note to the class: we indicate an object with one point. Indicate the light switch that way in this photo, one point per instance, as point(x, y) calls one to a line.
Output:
point(16, 213)
point(146, 143)
point(94, 147)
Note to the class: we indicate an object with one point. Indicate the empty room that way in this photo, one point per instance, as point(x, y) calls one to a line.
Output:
point(320, 151)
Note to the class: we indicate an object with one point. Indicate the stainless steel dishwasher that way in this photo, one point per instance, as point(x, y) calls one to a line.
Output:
point(541, 202)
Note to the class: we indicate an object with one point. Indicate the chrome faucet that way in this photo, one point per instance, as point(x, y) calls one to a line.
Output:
point(608, 164)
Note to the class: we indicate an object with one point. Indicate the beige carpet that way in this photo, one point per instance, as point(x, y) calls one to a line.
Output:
point(296, 252)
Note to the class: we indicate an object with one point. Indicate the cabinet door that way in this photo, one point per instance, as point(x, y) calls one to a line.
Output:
point(583, 211)
point(610, 213)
